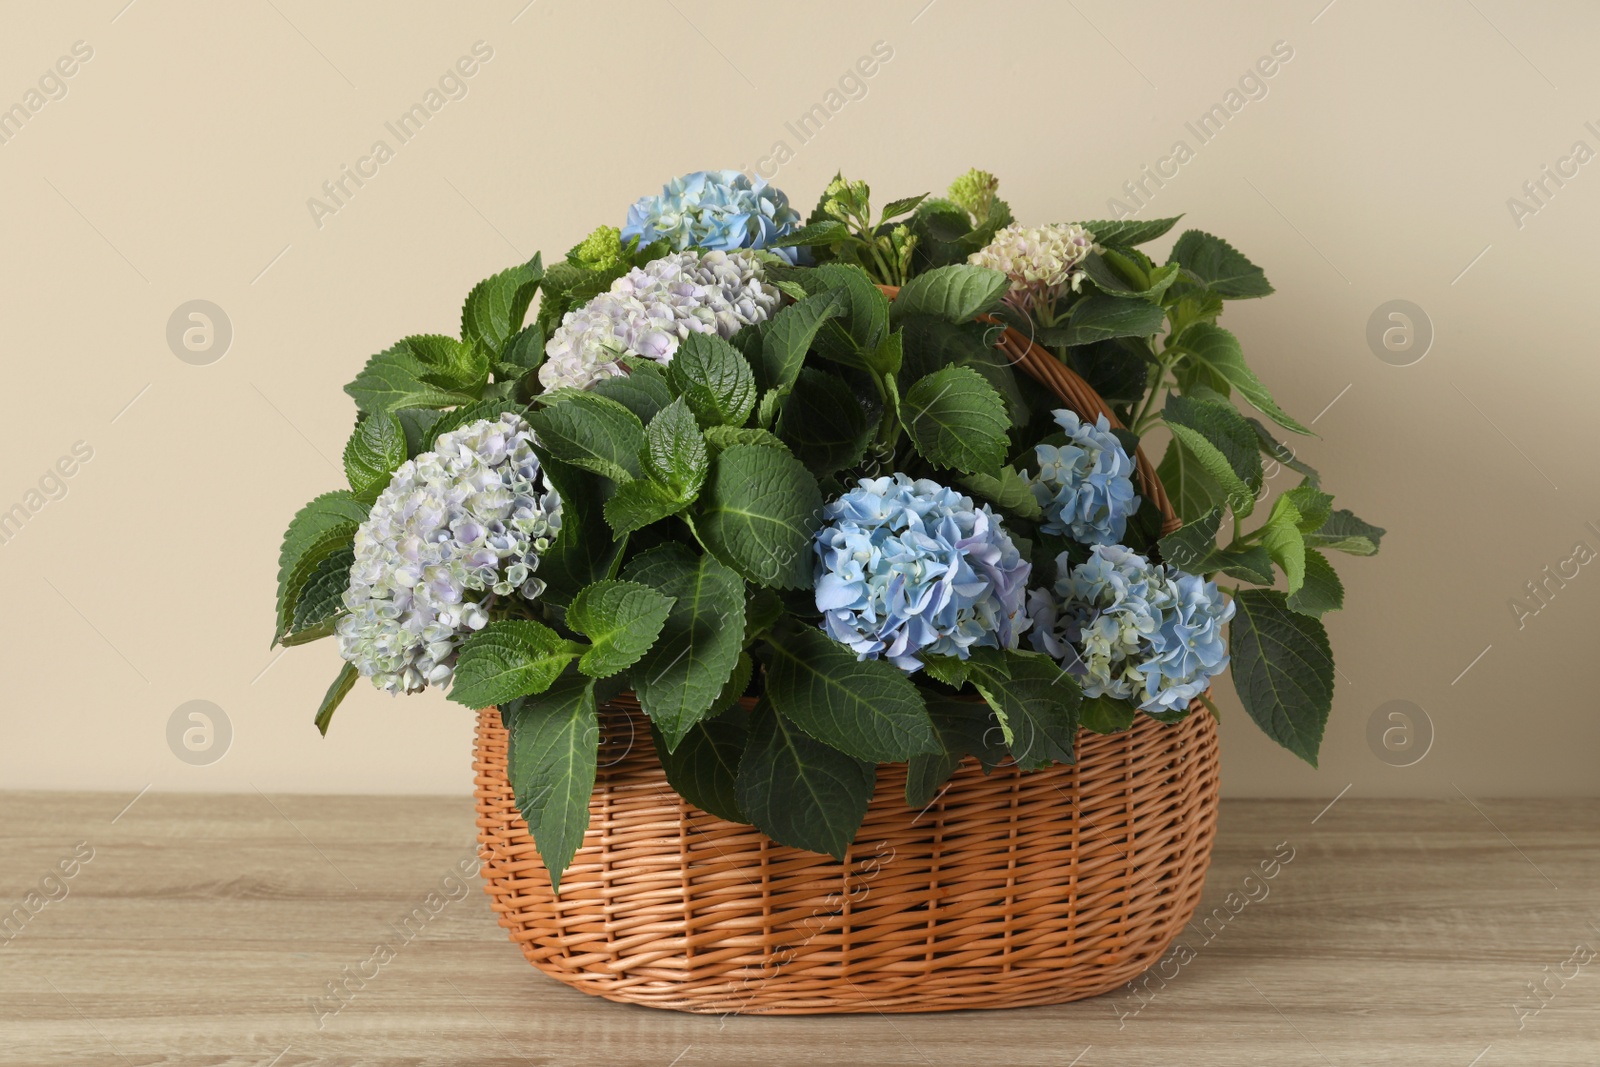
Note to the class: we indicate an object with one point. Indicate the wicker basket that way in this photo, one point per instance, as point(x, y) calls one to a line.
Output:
point(1010, 889)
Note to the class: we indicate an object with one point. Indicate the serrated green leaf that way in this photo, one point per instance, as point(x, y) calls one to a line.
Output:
point(1315, 506)
point(719, 438)
point(963, 727)
point(1037, 704)
point(525, 349)
point(509, 659)
point(739, 681)
point(956, 419)
point(425, 371)
point(1192, 491)
point(495, 308)
point(1223, 443)
point(1128, 232)
point(895, 208)
point(824, 423)
point(714, 379)
point(1282, 670)
point(759, 511)
point(704, 769)
point(1248, 563)
point(1128, 275)
point(1106, 714)
point(865, 320)
point(950, 670)
point(637, 504)
point(1009, 491)
point(675, 454)
point(680, 678)
point(641, 392)
point(321, 599)
point(816, 233)
point(957, 293)
point(1219, 267)
point(376, 447)
point(321, 528)
point(342, 684)
point(591, 432)
point(583, 549)
point(865, 708)
point(1219, 353)
point(797, 790)
point(1098, 317)
point(621, 620)
point(788, 336)
point(1343, 532)
point(1190, 546)
point(1282, 453)
point(1281, 537)
point(551, 756)
point(1322, 592)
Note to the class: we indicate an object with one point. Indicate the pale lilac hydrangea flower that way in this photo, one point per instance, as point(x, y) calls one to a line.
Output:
point(456, 528)
point(1042, 262)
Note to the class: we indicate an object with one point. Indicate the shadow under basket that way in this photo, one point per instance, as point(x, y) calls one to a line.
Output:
point(1010, 889)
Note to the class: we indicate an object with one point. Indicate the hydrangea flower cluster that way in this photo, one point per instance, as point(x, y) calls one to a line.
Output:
point(649, 310)
point(1131, 629)
point(907, 568)
point(722, 210)
point(1084, 485)
point(1041, 261)
point(974, 192)
point(455, 527)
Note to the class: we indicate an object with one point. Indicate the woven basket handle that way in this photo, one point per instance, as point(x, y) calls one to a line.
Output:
point(1078, 395)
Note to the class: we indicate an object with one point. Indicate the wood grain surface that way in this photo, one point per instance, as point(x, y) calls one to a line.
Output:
point(209, 929)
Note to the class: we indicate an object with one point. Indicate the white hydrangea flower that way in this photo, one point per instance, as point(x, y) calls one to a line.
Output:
point(456, 528)
point(1041, 261)
point(649, 310)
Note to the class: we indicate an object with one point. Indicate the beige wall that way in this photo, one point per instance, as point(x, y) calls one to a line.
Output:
point(179, 164)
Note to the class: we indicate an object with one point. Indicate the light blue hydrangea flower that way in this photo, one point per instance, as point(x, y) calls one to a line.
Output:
point(1084, 485)
point(456, 528)
point(722, 210)
point(1132, 629)
point(649, 310)
point(907, 568)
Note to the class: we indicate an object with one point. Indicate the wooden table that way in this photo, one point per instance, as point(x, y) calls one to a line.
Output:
point(202, 929)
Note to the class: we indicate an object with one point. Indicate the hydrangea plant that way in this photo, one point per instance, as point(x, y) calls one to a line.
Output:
point(813, 528)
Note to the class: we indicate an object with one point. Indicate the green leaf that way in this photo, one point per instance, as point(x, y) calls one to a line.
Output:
point(425, 371)
point(1249, 563)
point(525, 349)
point(1218, 351)
point(714, 379)
point(1098, 317)
point(1315, 506)
point(1281, 537)
point(1131, 275)
point(323, 527)
point(641, 392)
point(704, 769)
point(621, 620)
point(1282, 453)
point(1282, 670)
point(865, 321)
point(895, 208)
point(554, 741)
point(680, 678)
point(1217, 266)
point(591, 432)
point(956, 419)
point(1107, 714)
point(1322, 592)
point(824, 423)
point(957, 293)
point(1129, 232)
point(321, 599)
point(583, 549)
point(865, 708)
point(963, 727)
point(675, 453)
point(1193, 492)
point(739, 681)
point(1009, 491)
point(1343, 532)
point(798, 791)
point(817, 233)
point(950, 670)
point(1222, 442)
point(759, 512)
point(720, 438)
point(1037, 704)
point(375, 449)
point(483, 409)
point(1190, 546)
point(789, 336)
point(509, 659)
point(335, 695)
point(495, 308)
point(636, 505)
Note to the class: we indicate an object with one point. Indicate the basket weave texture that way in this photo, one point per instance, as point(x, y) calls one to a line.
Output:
point(1009, 889)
